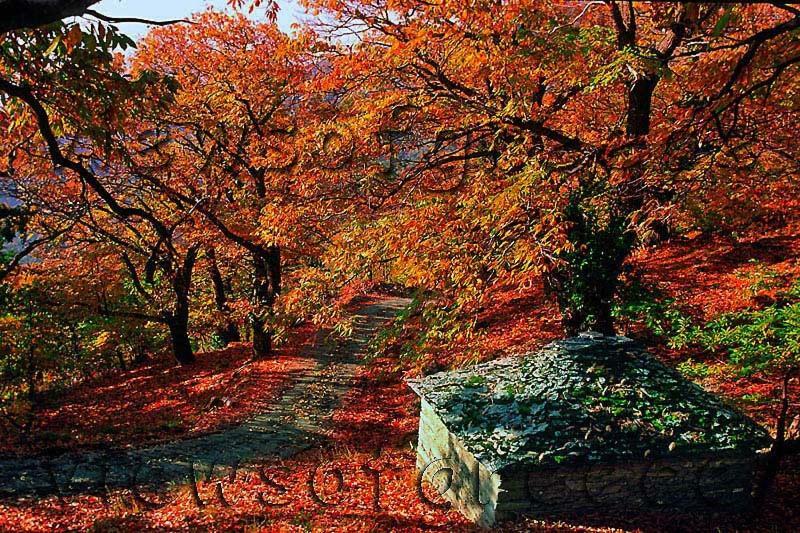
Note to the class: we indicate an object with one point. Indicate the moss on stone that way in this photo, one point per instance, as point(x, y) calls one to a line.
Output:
point(583, 400)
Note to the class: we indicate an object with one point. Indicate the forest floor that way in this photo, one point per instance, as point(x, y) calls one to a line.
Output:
point(170, 401)
point(358, 472)
point(290, 423)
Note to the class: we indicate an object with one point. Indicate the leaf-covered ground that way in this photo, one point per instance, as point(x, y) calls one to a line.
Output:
point(160, 401)
point(711, 274)
point(372, 432)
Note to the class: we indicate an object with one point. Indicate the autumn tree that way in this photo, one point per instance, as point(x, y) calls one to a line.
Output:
point(155, 258)
point(246, 123)
point(147, 178)
point(227, 331)
point(555, 138)
point(75, 108)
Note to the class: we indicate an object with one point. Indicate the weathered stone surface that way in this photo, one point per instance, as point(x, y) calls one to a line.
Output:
point(591, 423)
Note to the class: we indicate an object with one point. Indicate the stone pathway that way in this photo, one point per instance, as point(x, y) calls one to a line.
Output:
point(294, 423)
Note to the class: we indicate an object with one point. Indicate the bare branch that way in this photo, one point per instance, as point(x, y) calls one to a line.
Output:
point(136, 20)
point(25, 94)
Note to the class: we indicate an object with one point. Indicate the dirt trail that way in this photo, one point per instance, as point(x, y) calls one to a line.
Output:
point(294, 423)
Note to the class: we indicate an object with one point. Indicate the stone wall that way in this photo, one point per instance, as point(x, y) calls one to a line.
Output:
point(444, 462)
point(702, 483)
point(713, 481)
point(587, 424)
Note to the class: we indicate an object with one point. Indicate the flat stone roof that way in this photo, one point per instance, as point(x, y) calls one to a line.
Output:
point(586, 399)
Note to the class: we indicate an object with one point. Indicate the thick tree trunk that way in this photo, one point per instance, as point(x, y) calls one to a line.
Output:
point(228, 332)
point(594, 315)
point(587, 277)
point(586, 294)
point(610, 247)
point(181, 345)
point(123, 366)
point(141, 357)
point(262, 338)
point(266, 287)
point(178, 319)
point(640, 98)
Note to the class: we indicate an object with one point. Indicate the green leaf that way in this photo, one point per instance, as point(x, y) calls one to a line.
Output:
point(722, 23)
point(53, 45)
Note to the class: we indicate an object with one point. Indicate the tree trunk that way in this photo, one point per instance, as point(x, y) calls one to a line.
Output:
point(595, 315)
point(228, 332)
point(262, 338)
point(777, 450)
point(181, 345)
point(588, 306)
point(640, 98)
point(178, 319)
point(121, 360)
point(141, 356)
point(587, 282)
point(266, 287)
point(587, 279)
